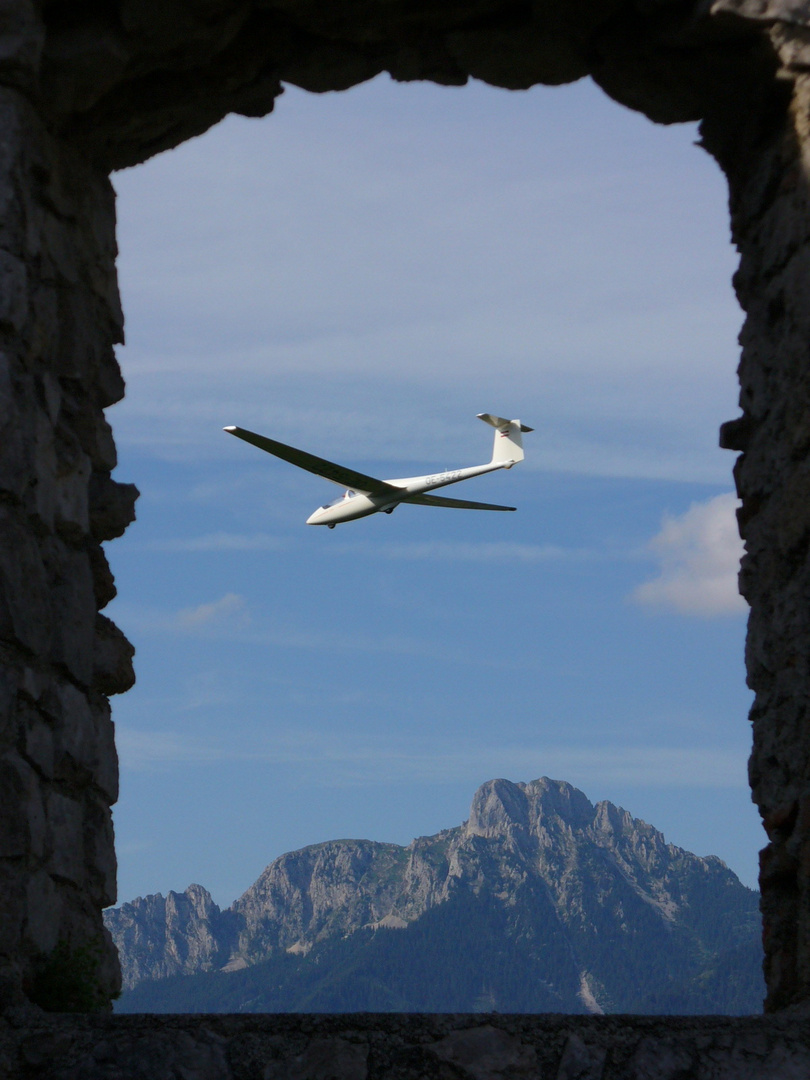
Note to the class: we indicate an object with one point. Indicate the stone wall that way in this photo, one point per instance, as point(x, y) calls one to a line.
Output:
point(396, 1047)
point(59, 320)
point(767, 166)
point(88, 86)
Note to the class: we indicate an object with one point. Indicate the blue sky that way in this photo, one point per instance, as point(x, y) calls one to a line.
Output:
point(360, 274)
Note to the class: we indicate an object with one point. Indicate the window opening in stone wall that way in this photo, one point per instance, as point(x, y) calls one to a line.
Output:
point(360, 274)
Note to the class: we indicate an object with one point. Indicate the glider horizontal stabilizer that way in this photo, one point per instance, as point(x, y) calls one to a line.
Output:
point(501, 421)
point(338, 474)
point(455, 504)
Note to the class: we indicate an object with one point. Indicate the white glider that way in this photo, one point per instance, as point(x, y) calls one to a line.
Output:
point(365, 495)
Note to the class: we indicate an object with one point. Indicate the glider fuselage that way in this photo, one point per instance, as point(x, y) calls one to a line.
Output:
point(357, 504)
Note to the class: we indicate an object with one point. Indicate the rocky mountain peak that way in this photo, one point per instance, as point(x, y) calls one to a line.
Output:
point(498, 809)
point(541, 809)
point(589, 885)
point(556, 798)
point(194, 905)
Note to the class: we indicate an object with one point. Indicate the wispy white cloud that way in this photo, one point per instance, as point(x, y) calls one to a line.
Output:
point(699, 556)
point(205, 614)
point(217, 542)
point(496, 551)
point(229, 617)
point(143, 750)
point(362, 760)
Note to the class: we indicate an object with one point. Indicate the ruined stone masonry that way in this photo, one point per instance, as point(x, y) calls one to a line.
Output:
point(90, 86)
point(59, 319)
point(391, 1046)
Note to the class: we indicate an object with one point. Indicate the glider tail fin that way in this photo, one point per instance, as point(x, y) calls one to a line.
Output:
point(507, 449)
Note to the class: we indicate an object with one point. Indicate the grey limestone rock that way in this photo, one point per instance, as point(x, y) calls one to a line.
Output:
point(161, 936)
point(599, 884)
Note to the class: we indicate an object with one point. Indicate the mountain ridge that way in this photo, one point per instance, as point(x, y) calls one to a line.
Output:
point(591, 895)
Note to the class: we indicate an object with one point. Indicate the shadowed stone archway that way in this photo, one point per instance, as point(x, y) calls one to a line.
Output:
point(91, 86)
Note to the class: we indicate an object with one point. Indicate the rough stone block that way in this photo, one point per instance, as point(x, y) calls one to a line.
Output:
point(61, 495)
point(113, 672)
point(112, 506)
point(13, 109)
point(486, 1053)
point(105, 775)
point(109, 383)
point(99, 849)
point(103, 580)
point(38, 741)
point(13, 291)
point(75, 736)
point(25, 604)
point(102, 276)
point(581, 1061)
point(325, 1059)
point(9, 685)
point(66, 838)
point(99, 445)
point(12, 908)
point(22, 820)
point(45, 465)
point(50, 394)
point(17, 421)
point(71, 509)
point(84, 352)
point(83, 61)
point(22, 36)
point(33, 683)
point(73, 606)
point(661, 1059)
point(200, 30)
point(61, 250)
point(504, 58)
point(44, 328)
point(43, 911)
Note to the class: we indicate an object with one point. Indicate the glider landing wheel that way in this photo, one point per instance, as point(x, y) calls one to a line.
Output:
point(330, 526)
point(390, 510)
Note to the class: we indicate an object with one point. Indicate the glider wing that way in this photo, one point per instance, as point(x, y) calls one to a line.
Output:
point(338, 474)
point(456, 504)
